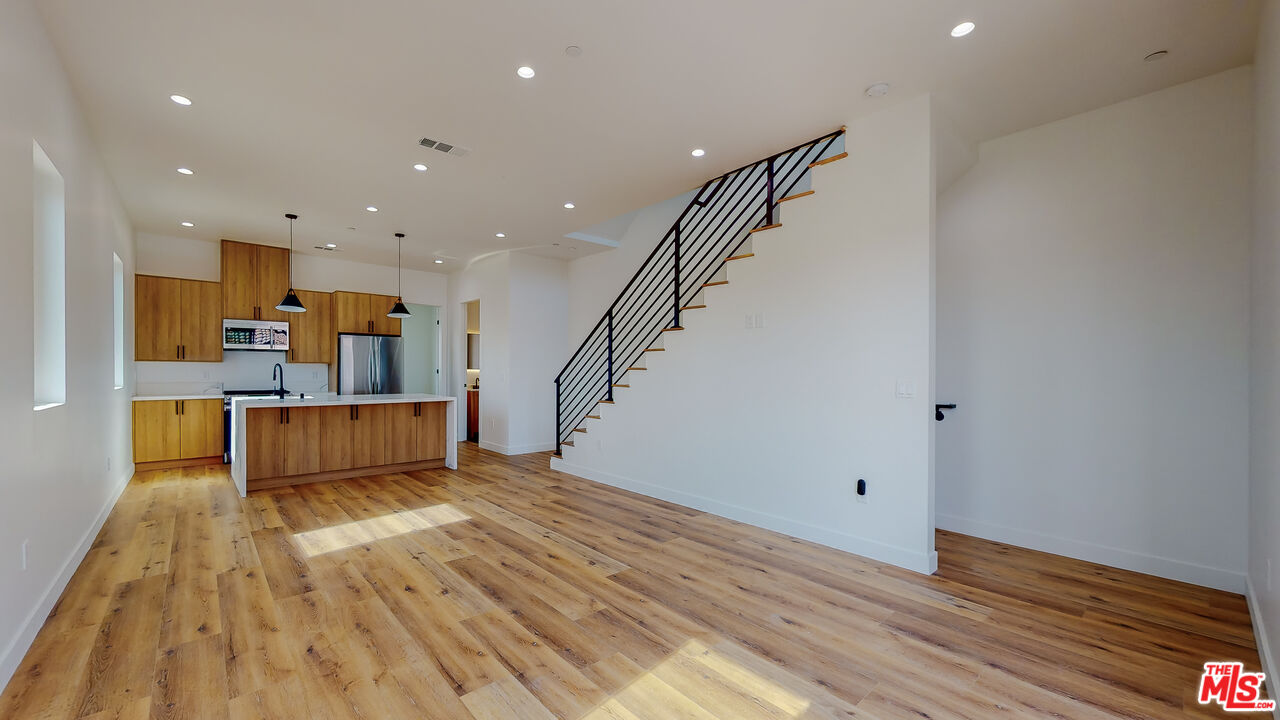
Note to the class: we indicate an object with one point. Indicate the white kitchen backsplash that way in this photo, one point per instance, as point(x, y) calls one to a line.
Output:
point(239, 370)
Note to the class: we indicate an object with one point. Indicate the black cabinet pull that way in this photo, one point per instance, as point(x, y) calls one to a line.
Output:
point(175, 407)
point(281, 416)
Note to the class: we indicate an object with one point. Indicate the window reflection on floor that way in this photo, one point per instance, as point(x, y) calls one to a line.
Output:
point(339, 537)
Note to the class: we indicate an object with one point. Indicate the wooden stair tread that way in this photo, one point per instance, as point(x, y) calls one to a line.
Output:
point(672, 329)
point(767, 227)
point(713, 284)
point(806, 193)
point(637, 368)
point(743, 256)
point(620, 385)
point(567, 442)
point(604, 402)
point(692, 307)
point(831, 159)
point(655, 349)
point(593, 417)
point(581, 430)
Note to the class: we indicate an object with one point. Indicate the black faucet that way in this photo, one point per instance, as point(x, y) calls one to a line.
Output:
point(280, 371)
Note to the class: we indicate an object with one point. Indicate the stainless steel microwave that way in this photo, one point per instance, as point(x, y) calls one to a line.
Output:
point(255, 335)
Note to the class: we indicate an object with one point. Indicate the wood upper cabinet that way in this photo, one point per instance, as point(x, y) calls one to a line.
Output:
point(337, 428)
point(311, 333)
point(157, 318)
point(254, 279)
point(176, 429)
point(177, 319)
point(364, 313)
point(157, 433)
point(200, 428)
point(273, 281)
point(379, 306)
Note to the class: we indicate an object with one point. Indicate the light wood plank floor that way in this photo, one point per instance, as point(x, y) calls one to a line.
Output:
point(506, 590)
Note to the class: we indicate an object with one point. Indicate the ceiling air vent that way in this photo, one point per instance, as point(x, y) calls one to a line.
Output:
point(444, 147)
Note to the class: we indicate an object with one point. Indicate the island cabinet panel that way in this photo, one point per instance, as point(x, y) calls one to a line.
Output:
point(301, 440)
point(369, 441)
point(401, 433)
point(311, 332)
point(157, 433)
point(201, 428)
point(337, 430)
point(430, 433)
point(264, 443)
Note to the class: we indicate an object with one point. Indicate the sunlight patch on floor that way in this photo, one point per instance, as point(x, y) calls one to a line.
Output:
point(721, 687)
point(360, 532)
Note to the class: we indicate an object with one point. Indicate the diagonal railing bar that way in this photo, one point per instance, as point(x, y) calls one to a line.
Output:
point(713, 227)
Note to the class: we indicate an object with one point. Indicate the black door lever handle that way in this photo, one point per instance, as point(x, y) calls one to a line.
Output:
point(937, 411)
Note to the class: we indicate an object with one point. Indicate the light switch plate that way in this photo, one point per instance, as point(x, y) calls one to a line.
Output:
point(905, 390)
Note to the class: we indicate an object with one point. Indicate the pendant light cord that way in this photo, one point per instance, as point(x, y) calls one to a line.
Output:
point(290, 253)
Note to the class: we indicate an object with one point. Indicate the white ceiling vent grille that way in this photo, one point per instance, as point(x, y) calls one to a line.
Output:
point(444, 147)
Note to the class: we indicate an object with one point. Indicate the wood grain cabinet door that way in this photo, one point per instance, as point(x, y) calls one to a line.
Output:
point(337, 427)
point(273, 281)
point(302, 440)
point(379, 306)
point(431, 437)
point(240, 281)
point(201, 321)
point(156, 431)
point(369, 440)
point(157, 318)
point(311, 332)
point(351, 313)
point(201, 423)
point(264, 443)
point(401, 433)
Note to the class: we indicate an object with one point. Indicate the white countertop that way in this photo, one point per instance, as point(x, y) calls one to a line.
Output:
point(195, 396)
point(336, 399)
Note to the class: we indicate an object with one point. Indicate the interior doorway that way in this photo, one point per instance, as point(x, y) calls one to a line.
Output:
point(471, 377)
point(423, 353)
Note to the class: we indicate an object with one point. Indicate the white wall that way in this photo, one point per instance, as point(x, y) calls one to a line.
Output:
point(1092, 327)
point(54, 497)
point(1264, 488)
point(845, 289)
point(200, 260)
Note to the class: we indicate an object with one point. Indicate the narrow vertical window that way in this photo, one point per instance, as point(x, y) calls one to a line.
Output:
point(49, 282)
point(117, 299)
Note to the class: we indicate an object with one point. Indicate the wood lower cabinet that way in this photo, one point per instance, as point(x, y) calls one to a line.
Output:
point(302, 453)
point(264, 442)
point(369, 439)
point(169, 430)
point(401, 423)
point(311, 332)
point(430, 434)
point(337, 430)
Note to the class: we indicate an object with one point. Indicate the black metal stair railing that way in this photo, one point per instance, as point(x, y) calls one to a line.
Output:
point(712, 227)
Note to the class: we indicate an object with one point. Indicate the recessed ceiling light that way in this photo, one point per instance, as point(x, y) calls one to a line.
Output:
point(1157, 55)
point(569, 206)
point(186, 171)
point(420, 167)
point(188, 224)
point(525, 72)
point(879, 89)
point(180, 99)
point(372, 209)
point(698, 152)
point(439, 262)
point(962, 29)
point(501, 235)
point(331, 245)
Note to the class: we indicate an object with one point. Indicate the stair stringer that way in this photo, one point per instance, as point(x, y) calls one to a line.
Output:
point(773, 426)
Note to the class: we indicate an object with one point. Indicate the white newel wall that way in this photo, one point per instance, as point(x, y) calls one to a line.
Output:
point(845, 290)
point(64, 466)
point(1093, 280)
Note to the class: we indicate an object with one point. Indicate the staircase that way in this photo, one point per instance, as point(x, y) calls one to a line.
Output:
point(714, 229)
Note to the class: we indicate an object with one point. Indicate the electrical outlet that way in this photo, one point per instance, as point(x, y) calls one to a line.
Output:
point(25, 544)
point(315, 374)
point(759, 320)
point(750, 321)
point(204, 375)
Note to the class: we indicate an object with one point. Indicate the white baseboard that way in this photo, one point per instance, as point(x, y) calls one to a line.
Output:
point(12, 656)
point(1260, 637)
point(1217, 578)
point(926, 563)
point(518, 449)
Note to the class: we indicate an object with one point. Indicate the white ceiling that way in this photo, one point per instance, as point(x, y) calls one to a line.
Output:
point(316, 106)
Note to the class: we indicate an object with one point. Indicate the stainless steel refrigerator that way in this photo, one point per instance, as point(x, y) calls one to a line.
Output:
point(370, 364)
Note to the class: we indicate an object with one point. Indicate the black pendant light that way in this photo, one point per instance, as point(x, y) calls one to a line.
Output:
point(399, 310)
point(291, 303)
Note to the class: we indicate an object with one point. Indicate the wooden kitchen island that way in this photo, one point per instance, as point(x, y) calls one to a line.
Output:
point(330, 437)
